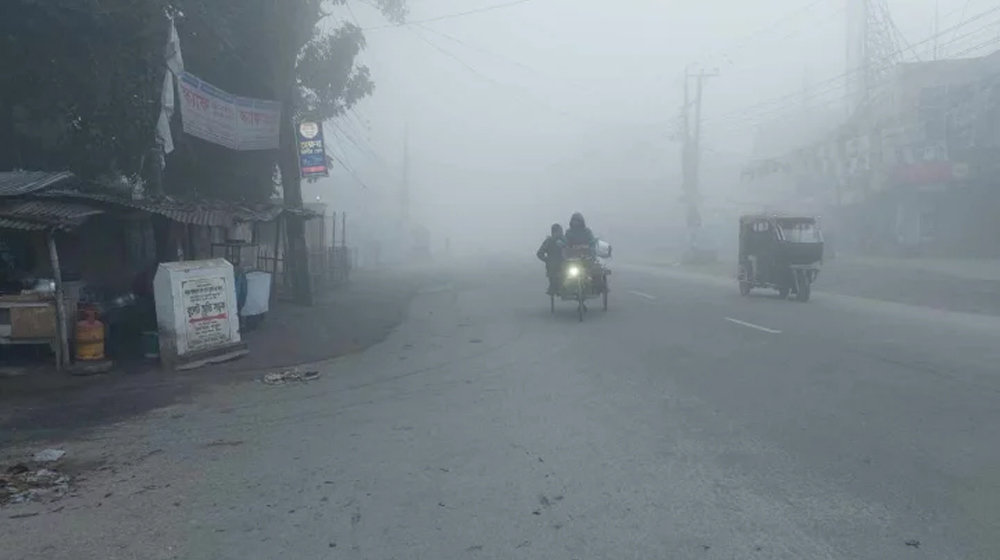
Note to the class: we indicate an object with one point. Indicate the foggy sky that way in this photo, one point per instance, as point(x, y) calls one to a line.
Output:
point(528, 112)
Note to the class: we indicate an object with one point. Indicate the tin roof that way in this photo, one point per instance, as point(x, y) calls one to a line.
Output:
point(18, 183)
point(36, 215)
point(203, 213)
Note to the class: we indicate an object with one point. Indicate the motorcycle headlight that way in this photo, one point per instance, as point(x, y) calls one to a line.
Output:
point(573, 271)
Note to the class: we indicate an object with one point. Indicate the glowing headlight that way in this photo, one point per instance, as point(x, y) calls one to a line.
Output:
point(573, 272)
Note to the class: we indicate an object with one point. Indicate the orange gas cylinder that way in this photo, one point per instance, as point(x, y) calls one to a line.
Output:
point(89, 338)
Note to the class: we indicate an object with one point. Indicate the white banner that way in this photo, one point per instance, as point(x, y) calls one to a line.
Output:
point(175, 66)
point(239, 123)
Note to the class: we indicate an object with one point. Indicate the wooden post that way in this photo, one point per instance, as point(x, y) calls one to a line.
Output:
point(62, 351)
point(334, 261)
point(345, 255)
point(278, 223)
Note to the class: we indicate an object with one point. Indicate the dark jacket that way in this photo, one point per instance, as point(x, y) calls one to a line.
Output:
point(551, 251)
point(580, 236)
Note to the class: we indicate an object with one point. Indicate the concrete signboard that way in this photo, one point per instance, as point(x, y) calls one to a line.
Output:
point(196, 312)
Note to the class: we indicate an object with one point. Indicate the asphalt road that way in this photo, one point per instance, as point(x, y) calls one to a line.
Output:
point(686, 422)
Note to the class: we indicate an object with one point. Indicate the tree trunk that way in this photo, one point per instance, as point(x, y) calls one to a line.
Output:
point(297, 261)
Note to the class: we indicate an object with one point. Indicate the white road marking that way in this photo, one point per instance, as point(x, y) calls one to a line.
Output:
point(640, 294)
point(752, 326)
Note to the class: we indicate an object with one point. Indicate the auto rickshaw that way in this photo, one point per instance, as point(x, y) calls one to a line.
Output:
point(783, 253)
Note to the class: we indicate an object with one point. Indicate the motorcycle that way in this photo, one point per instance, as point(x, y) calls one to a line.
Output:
point(582, 281)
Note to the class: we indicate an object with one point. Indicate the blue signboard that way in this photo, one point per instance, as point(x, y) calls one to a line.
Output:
point(312, 152)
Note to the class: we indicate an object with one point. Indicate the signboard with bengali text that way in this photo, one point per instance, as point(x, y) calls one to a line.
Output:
point(238, 123)
point(206, 304)
point(312, 152)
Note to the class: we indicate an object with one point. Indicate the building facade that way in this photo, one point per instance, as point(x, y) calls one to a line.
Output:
point(915, 171)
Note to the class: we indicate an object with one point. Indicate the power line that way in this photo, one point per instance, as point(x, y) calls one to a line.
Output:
point(477, 48)
point(490, 79)
point(845, 75)
point(974, 48)
point(746, 39)
point(742, 41)
point(370, 153)
point(347, 167)
point(498, 56)
point(451, 16)
point(965, 6)
point(366, 150)
point(756, 119)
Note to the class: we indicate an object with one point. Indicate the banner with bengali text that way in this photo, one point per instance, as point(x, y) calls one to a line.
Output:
point(238, 123)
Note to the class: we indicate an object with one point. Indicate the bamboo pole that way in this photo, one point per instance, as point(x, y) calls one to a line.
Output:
point(62, 351)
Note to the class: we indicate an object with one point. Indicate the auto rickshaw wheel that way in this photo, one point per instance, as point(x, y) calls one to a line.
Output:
point(803, 286)
point(804, 291)
point(604, 294)
point(743, 279)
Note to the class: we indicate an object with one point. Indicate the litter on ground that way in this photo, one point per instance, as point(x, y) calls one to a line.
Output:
point(21, 483)
point(290, 376)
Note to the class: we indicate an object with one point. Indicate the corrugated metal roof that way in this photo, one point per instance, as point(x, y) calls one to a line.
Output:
point(203, 213)
point(43, 214)
point(18, 224)
point(18, 183)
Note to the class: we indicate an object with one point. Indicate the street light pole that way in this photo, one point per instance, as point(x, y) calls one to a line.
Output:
point(691, 155)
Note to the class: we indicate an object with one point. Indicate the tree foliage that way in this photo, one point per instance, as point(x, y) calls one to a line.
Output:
point(80, 83)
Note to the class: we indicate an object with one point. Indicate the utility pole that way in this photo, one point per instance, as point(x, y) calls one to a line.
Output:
point(937, 24)
point(691, 154)
point(404, 193)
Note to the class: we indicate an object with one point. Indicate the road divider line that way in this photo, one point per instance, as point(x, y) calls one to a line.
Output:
point(642, 295)
point(752, 326)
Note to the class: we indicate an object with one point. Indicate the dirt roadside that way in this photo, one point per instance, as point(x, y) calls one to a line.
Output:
point(348, 320)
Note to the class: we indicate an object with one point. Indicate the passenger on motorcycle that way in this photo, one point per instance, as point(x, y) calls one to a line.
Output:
point(551, 253)
point(579, 234)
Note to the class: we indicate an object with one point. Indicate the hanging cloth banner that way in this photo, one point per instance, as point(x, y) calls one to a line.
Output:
point(238, 123)
point(175, 66)
point(312, 152)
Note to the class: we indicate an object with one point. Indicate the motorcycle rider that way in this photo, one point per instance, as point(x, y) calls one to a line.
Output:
point(579, 234)
point(551, 253)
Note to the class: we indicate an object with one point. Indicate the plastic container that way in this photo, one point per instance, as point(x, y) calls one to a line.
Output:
point(603, 249)
point(151, 345)
point(89, 338)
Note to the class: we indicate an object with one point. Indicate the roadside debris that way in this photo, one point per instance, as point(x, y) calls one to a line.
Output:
point(290, 376)
point(29, 482)
point(49, 455)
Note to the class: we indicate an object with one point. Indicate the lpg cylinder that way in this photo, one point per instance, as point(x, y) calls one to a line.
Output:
point(89, 337)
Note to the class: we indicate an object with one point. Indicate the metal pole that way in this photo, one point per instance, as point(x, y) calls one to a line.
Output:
point(937, 24)
point(62, 350)
point(685, 140)
point(696, 156)
point(693, 159)
point(343, 242)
